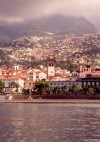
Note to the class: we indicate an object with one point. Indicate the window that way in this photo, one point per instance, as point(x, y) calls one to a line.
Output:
point(69, 83)
point(77, 83)
point(31, 73)
point(51, 65)
point(37, 76)
point(62, 83)
point(31, 78)
point(58, 83)
point(3, 72)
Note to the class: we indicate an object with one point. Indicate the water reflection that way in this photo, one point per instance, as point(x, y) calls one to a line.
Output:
point(49, 123)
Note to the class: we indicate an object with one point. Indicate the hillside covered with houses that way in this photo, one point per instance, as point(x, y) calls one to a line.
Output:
point(55, 77)
point(70, 51)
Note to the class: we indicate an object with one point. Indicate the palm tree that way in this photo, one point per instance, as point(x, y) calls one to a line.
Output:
point(2, 85)
point(64, 89)
point(89, 89)
point(75, 89)
point(56, 89)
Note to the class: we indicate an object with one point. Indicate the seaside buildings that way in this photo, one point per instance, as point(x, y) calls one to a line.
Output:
point(25, 78)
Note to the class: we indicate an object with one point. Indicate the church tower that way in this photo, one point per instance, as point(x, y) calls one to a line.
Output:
point(51, 66)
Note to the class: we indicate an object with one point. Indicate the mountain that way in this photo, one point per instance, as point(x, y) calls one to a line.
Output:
point(9, 31)
point(57, 24)
point(95, 19)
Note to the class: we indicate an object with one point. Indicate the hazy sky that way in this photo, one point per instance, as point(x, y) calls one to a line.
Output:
point(20, 10)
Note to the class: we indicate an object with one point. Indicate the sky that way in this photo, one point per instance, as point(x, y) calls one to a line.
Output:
point(13, 11)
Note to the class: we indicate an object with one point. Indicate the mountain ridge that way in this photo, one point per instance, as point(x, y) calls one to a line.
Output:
point(57, 24)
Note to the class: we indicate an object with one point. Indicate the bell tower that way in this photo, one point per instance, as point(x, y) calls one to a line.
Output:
point(51, 61)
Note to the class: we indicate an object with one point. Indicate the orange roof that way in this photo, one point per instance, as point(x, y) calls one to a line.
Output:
point(97, 72)
point(24, 74)
point(86, 72)
point(60, 74)
point(9, 77)
point(24, 71)
point(14, 77)
point(29, 81)
point(7, 71)
point(2, 77)
point(37, 73)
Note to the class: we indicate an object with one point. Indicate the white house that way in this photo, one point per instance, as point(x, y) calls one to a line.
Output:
point(41, 76)
point(8, 80)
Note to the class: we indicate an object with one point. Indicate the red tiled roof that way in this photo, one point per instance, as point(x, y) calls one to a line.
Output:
point(29, 81)
point(9, 77)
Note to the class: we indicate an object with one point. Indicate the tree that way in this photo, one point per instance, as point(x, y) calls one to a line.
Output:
point(89, 89)
point(64, 89)
point(56, 90)
point(2, 85)
point(75, 89)
point(41, 86)
point(98, 90)
point(14, 85)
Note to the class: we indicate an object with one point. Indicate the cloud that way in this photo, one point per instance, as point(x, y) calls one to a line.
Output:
point(19, 10)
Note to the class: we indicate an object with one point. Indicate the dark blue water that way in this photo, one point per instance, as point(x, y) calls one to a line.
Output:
point(49, 122)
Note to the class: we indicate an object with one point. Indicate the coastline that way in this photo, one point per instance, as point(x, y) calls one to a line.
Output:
point(55, 101)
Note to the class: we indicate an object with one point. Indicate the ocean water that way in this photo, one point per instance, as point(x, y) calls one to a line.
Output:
point(28, 122)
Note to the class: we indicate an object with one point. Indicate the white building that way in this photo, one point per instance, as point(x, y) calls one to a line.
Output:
point(9, 80)
point(51, 66)
point(41, 76)
point(68, 84)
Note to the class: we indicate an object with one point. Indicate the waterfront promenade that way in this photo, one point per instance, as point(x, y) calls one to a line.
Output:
point(79, 101)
